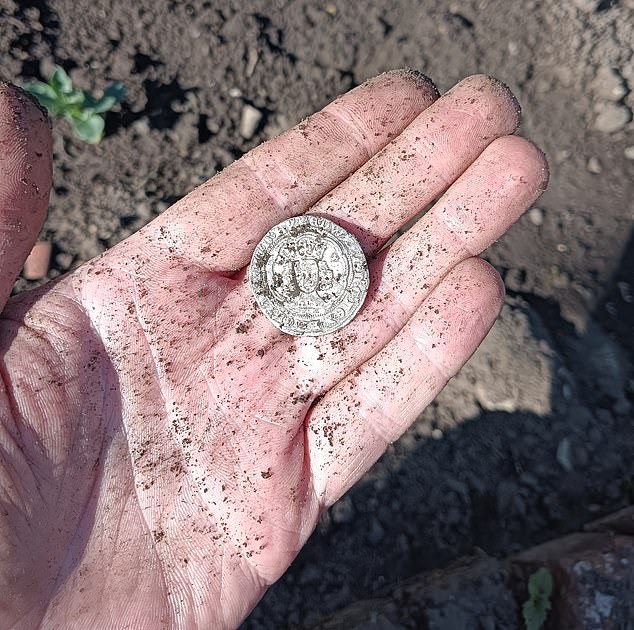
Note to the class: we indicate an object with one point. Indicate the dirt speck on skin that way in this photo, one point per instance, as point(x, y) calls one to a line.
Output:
point(485, 454)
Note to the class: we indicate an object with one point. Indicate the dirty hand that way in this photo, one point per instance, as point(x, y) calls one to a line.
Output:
point(165, 451)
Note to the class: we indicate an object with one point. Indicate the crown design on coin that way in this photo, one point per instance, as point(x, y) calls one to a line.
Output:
point(303, 247)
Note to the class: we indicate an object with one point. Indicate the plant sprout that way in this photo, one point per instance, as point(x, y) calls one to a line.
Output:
point(540, 589)
point(81, 108)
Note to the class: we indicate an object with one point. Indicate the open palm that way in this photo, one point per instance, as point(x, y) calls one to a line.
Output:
point(165, 451)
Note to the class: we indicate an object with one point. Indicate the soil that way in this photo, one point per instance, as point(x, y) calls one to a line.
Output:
point(535, 437)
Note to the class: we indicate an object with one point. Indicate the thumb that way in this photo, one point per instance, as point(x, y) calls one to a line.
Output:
point(25, 180)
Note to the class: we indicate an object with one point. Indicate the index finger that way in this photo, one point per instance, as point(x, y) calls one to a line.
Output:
point(218, 224)
point(25, 180)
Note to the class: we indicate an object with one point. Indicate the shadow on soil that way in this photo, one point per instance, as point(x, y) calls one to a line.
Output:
point(500, 482)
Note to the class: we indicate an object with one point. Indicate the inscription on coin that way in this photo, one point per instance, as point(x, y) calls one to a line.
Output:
point(309, 276)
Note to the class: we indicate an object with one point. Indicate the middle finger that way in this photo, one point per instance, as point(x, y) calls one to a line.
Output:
point(422, 162)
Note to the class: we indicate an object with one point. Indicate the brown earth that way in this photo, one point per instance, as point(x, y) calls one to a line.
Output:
point(535, 437)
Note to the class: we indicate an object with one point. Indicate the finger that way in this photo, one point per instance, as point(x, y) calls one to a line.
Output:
point(476, 210)
point(25, 180)
point(218, 224)
point(351, 426)
point(422, 161)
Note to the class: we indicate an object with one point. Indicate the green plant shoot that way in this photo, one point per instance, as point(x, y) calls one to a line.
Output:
point(81, 108)
point(540, 589)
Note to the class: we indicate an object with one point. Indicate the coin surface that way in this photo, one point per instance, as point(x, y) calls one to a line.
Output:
point(309, 276)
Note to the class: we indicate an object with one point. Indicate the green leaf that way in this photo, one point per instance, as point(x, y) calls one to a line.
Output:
point(60, 81)
point(103, 104)
point(37, 88)
point(540, 584)
point(73, 98)
point(540, 589)
point(114, 93)
point(90, 130)
point(45, 94)
point(533, 618)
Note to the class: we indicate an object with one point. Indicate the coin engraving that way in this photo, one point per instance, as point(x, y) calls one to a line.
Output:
point(309, 276)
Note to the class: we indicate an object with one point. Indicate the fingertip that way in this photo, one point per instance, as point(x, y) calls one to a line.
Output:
point(493, 289)
point(520, 160)
point(20, 101)
point(478, 288)
point(506, 97)
point(541, 163)
point(25, 136)
point(420, 80)
point(494, 99)
point(403, 92)
point(25, 179)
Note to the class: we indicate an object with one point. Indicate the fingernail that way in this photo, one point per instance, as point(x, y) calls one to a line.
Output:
point(37, 263)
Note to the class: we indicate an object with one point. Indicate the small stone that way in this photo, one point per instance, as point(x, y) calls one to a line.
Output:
point(252, 61)
point(608, 84)
point(343, 511)
point(629, 152)
point(594, 166)
point(185, 131)
point(562, 155)
point(564, 454)
point(380, 484)
point(514, 279)
point(235, 92)
point(562, 248)
point(143, 210)
point(559, 279)
point(612, 117)
point(64, 260)
point(47, 66)
point(625, 289)
point(436, 434)
point(536, 216)
point(36, 265)
point(141, 126)
point(588, 6)
point(249, 121)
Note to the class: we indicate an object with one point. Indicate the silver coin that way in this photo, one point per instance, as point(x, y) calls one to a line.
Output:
point(309, 276)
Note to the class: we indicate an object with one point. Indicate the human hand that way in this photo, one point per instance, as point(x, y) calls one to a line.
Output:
point(166, 451)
